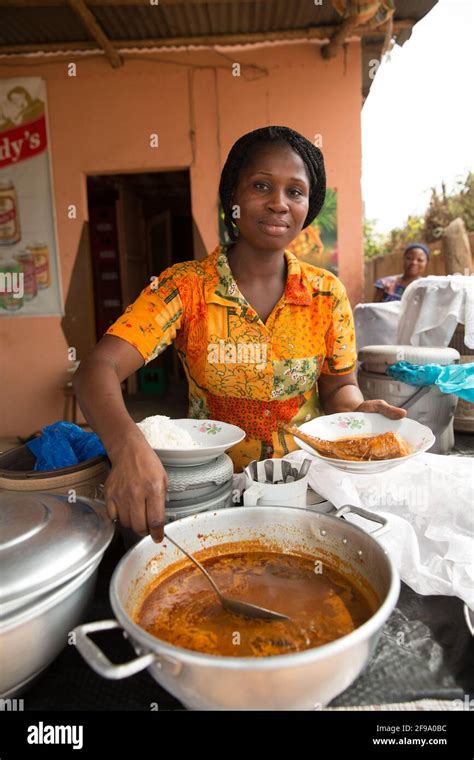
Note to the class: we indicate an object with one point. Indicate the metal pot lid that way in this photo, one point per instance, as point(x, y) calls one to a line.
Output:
point(386, 355)
point(45, 540)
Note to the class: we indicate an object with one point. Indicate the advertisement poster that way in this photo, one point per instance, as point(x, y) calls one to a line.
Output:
point(29, 274)
point(317, 243)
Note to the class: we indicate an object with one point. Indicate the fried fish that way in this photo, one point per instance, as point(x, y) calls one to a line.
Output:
point(358, 448)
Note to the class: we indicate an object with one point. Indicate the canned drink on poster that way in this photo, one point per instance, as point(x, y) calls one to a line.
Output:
point(40, 252)
point(10, 230)
point(26, 260)
point(11, 285)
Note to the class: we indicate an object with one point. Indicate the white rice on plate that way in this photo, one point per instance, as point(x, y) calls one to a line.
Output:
point(163, 433)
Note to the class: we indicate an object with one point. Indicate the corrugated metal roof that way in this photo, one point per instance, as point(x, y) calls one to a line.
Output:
point(21, 24)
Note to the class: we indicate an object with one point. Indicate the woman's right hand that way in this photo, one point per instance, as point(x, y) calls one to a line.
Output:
point(135, 490)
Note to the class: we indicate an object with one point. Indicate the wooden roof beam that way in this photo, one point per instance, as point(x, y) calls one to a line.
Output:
point(95, 30)
point(337, 38)
point(311, 33)
point(49, 3)
point(349, 27)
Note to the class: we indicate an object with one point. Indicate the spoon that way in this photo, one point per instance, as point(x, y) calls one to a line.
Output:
point(231, 605)
point(305, 467)
point(268, 467)
point(285, 470)
point(294, 473)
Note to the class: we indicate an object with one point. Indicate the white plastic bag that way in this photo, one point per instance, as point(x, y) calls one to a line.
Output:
point(429, 502)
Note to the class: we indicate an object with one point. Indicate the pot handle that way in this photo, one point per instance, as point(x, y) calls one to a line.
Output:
point(97, 659)
point(348, 508)
point(252, 495)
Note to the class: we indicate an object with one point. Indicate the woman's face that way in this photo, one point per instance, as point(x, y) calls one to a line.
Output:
point(273, 197)
point(415, 262)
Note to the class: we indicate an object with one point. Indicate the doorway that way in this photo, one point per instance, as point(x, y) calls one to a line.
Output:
point(139, 225)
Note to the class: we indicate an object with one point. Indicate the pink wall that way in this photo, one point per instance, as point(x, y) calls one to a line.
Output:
point(101, 121)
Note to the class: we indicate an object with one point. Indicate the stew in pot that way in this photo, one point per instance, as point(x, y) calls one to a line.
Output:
point(322, 604)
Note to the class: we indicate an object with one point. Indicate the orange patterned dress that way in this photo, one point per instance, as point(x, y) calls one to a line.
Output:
point(239, 369)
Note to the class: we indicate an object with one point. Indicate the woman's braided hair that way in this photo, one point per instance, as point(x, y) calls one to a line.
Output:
point(243, 151)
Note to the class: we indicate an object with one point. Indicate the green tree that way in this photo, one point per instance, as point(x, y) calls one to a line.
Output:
point(445, 207)
point(379, 244)
point(442, 209)
point(462, 203)
point(327, 217)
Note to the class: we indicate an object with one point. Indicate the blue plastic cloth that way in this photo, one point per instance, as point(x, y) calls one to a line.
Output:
point(454, 378)
point(64, 444)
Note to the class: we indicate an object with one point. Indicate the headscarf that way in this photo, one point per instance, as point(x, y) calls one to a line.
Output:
point(423, 247)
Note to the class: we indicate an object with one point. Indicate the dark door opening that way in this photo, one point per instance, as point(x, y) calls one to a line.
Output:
point(140, 224)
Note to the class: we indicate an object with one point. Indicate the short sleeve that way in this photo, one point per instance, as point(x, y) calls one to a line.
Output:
point(341, 352)
point(151, 323)
point(379, 284)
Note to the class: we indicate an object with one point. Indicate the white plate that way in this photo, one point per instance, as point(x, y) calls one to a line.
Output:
point(214, 437)
point(317, 503)
point(344, 424)
point(220, 499)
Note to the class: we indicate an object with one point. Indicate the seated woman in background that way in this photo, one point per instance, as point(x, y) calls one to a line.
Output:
point(415, 261)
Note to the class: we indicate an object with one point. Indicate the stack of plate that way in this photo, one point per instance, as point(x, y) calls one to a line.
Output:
point(200, 479)
point(197, 489)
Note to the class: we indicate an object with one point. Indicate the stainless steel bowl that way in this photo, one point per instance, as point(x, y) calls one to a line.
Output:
point(302, 681)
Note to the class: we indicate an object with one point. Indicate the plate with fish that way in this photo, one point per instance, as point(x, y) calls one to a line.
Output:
point(362, 442)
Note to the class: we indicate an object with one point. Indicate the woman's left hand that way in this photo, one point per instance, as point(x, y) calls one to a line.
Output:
point(379, 406)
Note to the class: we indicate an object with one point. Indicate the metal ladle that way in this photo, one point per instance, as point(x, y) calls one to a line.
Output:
point(231, 605)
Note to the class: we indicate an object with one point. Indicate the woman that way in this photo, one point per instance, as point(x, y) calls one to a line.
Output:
point(263, 337)
point(415, 261)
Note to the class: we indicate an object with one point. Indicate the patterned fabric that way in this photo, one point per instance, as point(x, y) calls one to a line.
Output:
point(240, 370)
point(391, 286)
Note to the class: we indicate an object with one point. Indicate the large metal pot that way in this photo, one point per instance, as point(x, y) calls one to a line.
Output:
point(301, 681)
point(50, 550)
point(33, 636)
